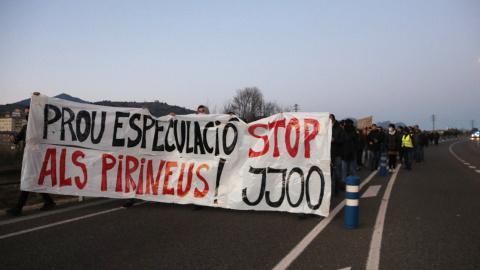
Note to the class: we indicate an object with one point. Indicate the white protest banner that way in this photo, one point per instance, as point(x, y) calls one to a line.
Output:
point(279, 163)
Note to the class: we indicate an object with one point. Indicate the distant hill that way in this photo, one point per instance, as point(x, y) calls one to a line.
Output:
point(26, 102)
point(155, 108)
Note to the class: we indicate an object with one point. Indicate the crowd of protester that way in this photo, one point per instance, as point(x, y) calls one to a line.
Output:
point(354, 149)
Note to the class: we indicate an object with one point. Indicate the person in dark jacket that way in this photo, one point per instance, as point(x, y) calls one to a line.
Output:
point(49, 203)
point(436, 137)
point(393, 143)
point(374, 142)
point(349, 150)
point(418, 151)
point(361, 145)
point(338, 140)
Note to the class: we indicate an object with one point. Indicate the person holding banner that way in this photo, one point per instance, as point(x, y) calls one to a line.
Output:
point(49, 203)
point(200, 110)
point(337, 142)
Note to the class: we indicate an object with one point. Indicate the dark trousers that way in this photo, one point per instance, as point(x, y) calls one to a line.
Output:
point(359, 157)
point(24, 196)
point(374, 159)
point(392, 161)
point(336, 173)
point(407, 158)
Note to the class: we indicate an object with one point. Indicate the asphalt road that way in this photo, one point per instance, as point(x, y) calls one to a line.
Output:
point(427, 218)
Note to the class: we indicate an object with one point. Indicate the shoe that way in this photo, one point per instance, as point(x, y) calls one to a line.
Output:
point(128, 204)
point(14, 212)
point(48, 206)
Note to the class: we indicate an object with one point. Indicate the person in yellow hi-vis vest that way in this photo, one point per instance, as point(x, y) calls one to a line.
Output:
point(408, 145)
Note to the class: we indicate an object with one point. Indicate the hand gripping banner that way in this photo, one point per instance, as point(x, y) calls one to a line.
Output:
point(279, 163)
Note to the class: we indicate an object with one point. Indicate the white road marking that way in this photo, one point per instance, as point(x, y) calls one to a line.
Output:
point(56, 211)
point(461, 160)
point(373, 261)
point(297, 250)
point(63, 222)
point(372, 191)
point(56, 223)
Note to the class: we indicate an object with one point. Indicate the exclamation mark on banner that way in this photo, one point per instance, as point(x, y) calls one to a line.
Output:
point(219, 175)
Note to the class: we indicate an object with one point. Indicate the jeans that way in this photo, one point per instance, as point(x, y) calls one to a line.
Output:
point(337, 172)
point(374, 159)
point(352, 164)
point(407, 158)
point(366, 157)
point(419, 153)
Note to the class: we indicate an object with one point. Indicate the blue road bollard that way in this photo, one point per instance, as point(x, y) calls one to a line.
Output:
point(351, 205)
point(383, 164)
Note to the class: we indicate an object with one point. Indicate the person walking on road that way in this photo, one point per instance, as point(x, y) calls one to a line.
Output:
point(374, 141)
point(436, 137)
point(418, 153)
point(408, 146)
point(337, 142)
point(349, 150)
point(360, 147)
point(393, 142)
point(49, 203)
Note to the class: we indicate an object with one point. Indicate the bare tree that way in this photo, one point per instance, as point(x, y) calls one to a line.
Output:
point(247, 104)
point(271, 108)
point(228, 107)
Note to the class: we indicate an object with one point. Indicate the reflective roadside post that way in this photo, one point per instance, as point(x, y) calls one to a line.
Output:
point(383, 164)
point(352, 199)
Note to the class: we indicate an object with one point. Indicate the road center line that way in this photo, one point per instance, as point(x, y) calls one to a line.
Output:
point(296, 251)
point(373, 261)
